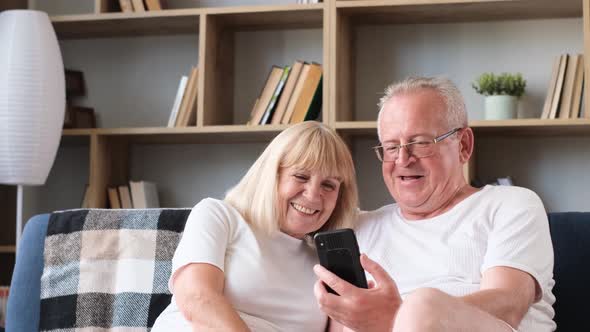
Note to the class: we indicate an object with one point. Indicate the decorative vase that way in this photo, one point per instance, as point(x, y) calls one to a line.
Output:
point(500, 107)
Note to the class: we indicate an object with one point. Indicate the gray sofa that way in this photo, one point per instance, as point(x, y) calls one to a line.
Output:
point(26, 312)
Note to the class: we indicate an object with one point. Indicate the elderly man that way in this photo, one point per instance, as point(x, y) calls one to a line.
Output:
point(448, 256)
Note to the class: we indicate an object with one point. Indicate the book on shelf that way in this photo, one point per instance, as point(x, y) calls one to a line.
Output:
point(114, 201)
point(305, 107)
point(265, 97)
point(551, 89)
point(126, 6)
point(270, 109)
point(187, 112)
point(177, 100)
point(138, 5)
point(569, 80)
point(249, 122)
point(4, 291)
point(565, 93)
point(287, 92)
point(125, 196)
point(576, 110)
point(295, 95)
point(153, 5)
point(583, 113)
point(144, 194)
point(556, 99)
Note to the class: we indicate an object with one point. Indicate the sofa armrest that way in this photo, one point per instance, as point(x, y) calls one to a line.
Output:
point(22, 312)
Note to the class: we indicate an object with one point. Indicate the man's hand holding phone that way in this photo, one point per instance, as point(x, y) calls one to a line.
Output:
point(373, 309)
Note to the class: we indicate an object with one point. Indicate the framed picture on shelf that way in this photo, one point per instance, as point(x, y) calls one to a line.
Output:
point(75, 86)
point(79, 117)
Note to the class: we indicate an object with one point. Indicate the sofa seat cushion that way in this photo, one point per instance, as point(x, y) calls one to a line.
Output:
point(108, 268)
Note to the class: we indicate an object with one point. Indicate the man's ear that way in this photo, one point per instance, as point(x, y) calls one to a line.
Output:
point(466, 144)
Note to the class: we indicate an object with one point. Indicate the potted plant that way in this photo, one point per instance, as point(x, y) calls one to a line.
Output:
point(501, 94)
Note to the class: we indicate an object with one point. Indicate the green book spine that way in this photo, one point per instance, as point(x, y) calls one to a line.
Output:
point(316, 103)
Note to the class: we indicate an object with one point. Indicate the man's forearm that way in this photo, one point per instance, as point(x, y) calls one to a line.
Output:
point(500, 303)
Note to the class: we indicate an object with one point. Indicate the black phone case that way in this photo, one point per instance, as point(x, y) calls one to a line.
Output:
point(338, 252)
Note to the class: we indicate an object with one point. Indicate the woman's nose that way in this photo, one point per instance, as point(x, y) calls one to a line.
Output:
point(312, 191)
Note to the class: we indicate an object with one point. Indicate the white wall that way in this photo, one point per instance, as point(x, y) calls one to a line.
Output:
point(132, 82)
point(462, 52)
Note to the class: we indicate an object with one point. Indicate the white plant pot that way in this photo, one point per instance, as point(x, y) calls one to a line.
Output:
point(500, 107)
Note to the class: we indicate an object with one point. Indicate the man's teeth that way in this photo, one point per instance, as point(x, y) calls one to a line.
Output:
point(409, 177)
point(303, 209)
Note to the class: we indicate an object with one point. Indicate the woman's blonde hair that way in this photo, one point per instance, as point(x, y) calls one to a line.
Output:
point(311, 146)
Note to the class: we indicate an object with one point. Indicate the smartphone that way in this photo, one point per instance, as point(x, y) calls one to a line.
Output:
point(338, 252)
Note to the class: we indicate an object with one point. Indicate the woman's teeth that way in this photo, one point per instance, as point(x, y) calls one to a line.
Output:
point(303, 209)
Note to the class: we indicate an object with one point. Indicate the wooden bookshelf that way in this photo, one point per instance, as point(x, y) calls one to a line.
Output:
point(338, 19)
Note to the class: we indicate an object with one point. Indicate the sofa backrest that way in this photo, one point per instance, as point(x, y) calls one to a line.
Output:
point(570, 234)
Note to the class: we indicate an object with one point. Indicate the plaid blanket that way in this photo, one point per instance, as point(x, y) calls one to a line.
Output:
point(108, 270)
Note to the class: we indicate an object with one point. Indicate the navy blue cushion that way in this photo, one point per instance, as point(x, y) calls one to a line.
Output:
point(570, 234)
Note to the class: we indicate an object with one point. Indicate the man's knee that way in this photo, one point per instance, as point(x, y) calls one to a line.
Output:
point(423, 310)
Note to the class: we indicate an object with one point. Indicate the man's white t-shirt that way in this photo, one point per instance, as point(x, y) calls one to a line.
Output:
point(496, 226)
point(268, 279)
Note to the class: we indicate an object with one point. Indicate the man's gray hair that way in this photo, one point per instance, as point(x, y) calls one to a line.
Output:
point(456, 114)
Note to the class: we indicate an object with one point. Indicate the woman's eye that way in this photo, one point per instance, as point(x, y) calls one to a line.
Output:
point(300, 177)
point(329, 186)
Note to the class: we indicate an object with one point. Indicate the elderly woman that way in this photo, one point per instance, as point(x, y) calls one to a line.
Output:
point(245, 263)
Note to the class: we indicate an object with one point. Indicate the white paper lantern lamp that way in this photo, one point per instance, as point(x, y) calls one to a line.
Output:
point(32, 99)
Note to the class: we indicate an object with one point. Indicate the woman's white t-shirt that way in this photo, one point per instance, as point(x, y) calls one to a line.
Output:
point(268, 279)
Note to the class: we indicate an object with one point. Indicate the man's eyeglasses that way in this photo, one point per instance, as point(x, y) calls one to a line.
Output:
point(418, 149)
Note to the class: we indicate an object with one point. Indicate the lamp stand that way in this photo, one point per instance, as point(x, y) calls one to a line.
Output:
point(19, 214)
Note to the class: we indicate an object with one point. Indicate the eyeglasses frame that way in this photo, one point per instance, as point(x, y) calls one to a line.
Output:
point(400, 146)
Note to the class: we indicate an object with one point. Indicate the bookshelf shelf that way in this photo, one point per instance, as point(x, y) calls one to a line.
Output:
point(270, 17)
point(435, 11)
point(193, 135)
point(177, 21)
point(516, 127)
point(7, 249)
point(183, 21)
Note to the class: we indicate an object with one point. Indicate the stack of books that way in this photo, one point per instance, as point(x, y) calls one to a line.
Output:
point(184, 108)
point(291, 94)
point(130, 6)
point(138, 195)
point(565, 97)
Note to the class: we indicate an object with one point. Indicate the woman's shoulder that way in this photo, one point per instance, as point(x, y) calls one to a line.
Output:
point(217, 209)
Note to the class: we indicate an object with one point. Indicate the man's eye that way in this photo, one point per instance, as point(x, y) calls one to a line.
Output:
point(391, 148)
point(422, 144)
